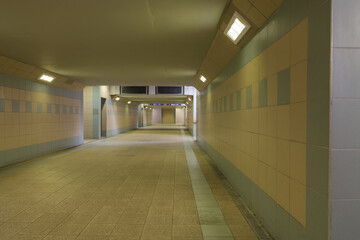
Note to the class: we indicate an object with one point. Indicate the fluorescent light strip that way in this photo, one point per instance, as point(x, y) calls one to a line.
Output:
point(46, 78)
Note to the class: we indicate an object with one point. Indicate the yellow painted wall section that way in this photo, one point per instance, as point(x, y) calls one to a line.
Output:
point(168, 116)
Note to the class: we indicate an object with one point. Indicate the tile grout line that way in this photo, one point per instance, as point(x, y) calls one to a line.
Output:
point(210, 227)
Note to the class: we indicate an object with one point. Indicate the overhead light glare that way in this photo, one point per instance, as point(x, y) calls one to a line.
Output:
point(117, 98)
point(202, 78)
point(237, 28)
point(129, 102)
point(46, 78)
point(189, 99)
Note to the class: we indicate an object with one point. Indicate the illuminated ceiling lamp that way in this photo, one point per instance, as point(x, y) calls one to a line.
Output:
point(46, 78)
point(237, 28)
point(202, 78)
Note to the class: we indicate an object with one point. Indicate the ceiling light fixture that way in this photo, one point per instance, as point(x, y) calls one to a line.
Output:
point(237, 28)
point(202, 78)
point(46, 78)
point(129, 102)
point(117, 98)
point(189, 99)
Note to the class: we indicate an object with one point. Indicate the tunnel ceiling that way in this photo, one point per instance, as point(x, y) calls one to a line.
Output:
point(112, 42)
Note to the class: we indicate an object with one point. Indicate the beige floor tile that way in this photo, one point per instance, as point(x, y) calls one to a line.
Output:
point(132, 219)
point(128, 230)
point(59, 237)
point(158, 220)
point(186, 230)
point(68, 229)
point(98, 229)
point(38, 228)
point(28, 237)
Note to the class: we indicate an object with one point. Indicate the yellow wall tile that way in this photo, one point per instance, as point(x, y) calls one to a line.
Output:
point(271, 176)
point(299, 43)
point(298, 162)
point(298, 82)
point(271, 152)
point(283, 121)
point(283, 156)
point(298, 122)
point(283, 52)
point(272, 121)
point(283, 191)
point(262, 176)
point(263, 120)
point(298, 201)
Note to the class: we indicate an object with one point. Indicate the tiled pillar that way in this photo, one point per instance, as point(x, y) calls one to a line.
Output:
point(345, 122)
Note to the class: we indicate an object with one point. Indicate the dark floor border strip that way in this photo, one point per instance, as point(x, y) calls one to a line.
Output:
point(256, 225)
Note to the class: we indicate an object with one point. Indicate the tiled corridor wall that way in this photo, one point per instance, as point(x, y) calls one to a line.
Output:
point(36, 119)
point(265, 121)
point(117, 117)
point(190, 118)
point(147, 117)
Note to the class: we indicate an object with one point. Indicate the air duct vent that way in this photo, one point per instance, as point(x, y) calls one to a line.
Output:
point(169, 90)
point(134, 90)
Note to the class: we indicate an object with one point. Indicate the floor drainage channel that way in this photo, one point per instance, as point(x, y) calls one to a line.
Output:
point(250, 217)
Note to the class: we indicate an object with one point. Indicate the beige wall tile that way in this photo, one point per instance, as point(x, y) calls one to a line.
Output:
point(283, 121)
point(271, 176)
point(298, 201)
point(298, 162)
point(298, 82)
point(283, 52)
point(283, 156)
point(283, 191)
point(299, 42)
point(298, 119)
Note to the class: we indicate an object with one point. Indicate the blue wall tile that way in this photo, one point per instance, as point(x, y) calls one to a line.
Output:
point(71, 111)
point(39, 108)
point(28, 106)
point(238, 100)
point(248, 97)
point(263, 93)
point(77, 110)
point(2, 105)
point(283, 87)
point(48, 108)
point(57, 108)
point(64, 109)
point(231, 99)
point(15, 106)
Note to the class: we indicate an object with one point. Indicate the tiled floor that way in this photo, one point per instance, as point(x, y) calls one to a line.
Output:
point(133, 186)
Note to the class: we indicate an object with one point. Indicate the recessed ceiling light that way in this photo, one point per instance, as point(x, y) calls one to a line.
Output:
point(187, 103)
point(117, 98)
point(202, 78)
point(46, 78)
point(189, 99)
point(237, 28)
point(129, 102)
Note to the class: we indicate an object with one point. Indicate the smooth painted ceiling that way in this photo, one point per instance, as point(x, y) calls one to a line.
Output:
point(112, 42)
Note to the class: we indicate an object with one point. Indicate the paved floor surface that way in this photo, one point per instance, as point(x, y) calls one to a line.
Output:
point(144, 184)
